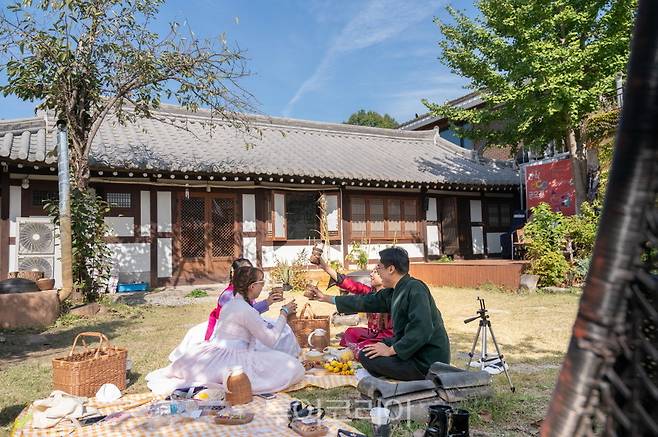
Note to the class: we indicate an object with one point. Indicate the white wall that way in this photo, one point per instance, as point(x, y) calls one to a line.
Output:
point(332, 212)
point(432, 215)
point(164, 211)
point(120, 226)
point(249, 213)
point(433, 240)
point(476, 210)
point(493, 242)
point(249, 249)
point(14, 211)
point(415, 250)
point(165, 258)
point(477, 237)
point(132, 261)
point(131, 257)
point(289, 253)
point(145, 213)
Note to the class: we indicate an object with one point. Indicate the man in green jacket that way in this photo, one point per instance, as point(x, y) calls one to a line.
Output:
point(419, 339)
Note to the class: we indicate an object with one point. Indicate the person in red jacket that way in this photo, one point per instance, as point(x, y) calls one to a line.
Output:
point(379, 327)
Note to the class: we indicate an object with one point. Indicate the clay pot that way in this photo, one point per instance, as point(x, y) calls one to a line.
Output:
point(238, 387)
point(46, 284)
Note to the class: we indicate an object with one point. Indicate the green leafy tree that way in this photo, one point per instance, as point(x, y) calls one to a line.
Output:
point(87, 59)
point(372, 119)
point(92, 258)
point(541, 67)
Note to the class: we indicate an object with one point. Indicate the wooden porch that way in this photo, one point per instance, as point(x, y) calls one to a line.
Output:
point(502, 273)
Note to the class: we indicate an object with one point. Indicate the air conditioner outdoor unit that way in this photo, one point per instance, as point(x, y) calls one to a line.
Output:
point(36, 245)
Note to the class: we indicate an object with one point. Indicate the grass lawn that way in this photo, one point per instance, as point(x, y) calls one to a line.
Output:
point(533, 331)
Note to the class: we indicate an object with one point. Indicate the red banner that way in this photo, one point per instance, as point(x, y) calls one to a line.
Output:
point(551, 183)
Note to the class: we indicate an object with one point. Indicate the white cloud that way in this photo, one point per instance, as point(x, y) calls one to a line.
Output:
point(378, 21)
point(436, 88)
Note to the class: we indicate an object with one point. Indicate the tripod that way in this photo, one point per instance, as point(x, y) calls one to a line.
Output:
point(484, 325)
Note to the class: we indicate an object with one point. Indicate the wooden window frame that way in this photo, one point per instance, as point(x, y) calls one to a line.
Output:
point(270, 225)
point(404, 234)
point(485, 214)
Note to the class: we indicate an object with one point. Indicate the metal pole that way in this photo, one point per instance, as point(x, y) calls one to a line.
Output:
point(64, 211)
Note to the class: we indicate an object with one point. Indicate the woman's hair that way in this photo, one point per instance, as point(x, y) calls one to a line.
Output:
point(243, 277)
point(236, 264)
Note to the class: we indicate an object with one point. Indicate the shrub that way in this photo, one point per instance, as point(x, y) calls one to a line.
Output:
point(295, 273)
point(551, 267)
point(579, 270)
point(92, 258)
point(546, 231)
point(358, 256)
point(581, 229)
point(197, 292)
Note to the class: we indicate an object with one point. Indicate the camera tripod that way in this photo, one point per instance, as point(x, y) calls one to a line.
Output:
point(484, 325)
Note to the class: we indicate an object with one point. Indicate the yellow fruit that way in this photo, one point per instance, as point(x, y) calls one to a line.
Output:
point(347, 355)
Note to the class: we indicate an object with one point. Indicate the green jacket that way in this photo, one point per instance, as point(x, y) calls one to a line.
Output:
point(418, 331)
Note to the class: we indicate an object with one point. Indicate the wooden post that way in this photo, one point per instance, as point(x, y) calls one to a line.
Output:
point(4, 222)
point(153, 193)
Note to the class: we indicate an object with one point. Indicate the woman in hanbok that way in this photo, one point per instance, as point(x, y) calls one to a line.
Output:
point(238, 331)
point(206, 330)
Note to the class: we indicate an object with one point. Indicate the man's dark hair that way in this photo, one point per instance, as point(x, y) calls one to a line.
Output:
point(396, 257)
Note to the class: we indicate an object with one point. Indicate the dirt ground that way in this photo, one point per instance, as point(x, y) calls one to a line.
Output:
point(533, 331)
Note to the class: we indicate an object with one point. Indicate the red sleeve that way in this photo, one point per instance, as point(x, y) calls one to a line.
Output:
point(354, 287)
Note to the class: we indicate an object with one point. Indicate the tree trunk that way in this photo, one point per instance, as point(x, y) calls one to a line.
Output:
point(79, 163)
point(579, 161)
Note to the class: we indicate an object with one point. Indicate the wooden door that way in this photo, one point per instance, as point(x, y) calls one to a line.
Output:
point(449, 229)
point(464, 227)
point(207, 237)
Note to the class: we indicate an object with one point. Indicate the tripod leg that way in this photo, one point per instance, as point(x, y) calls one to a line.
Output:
point(502, 358)
point(475, 342)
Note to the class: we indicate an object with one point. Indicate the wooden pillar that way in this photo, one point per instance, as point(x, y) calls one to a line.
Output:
point(154, 236)
point(4, 223)
point(346, 233)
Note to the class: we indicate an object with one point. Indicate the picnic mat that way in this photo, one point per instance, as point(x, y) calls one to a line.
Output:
point(323, 379)
point(270, 420)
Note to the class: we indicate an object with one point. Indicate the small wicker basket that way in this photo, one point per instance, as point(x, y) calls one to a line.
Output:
point(238, 387)
point(307, 322)
point(83, 373)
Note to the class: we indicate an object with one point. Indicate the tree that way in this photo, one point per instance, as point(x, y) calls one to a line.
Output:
point(87, 59)
point(541, 68)
point(372, 119)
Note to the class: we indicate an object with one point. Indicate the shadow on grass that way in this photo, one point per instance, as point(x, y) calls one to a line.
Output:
point(8, 414)
point(461, 344)
point(21, 344)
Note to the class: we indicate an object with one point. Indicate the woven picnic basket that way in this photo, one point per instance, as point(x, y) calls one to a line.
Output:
point(83, 373)
point(307, 322)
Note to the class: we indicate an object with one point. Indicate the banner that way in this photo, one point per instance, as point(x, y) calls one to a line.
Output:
point(551, 183)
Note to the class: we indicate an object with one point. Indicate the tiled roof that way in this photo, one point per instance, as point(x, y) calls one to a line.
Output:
point(179, 141)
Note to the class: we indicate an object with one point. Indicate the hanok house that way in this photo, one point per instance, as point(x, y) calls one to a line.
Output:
point(186, 199)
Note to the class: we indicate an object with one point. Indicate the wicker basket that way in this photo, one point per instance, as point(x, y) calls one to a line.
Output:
point(83, 373)
point(306, 323)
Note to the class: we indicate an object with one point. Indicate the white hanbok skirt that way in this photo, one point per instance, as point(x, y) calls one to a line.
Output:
point(208, 363)
point(287, 342)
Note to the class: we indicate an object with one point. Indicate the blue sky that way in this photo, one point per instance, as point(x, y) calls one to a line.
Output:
point(324, 59)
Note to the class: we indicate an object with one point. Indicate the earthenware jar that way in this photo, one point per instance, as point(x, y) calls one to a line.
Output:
point(238, 387)
point(318, 339)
